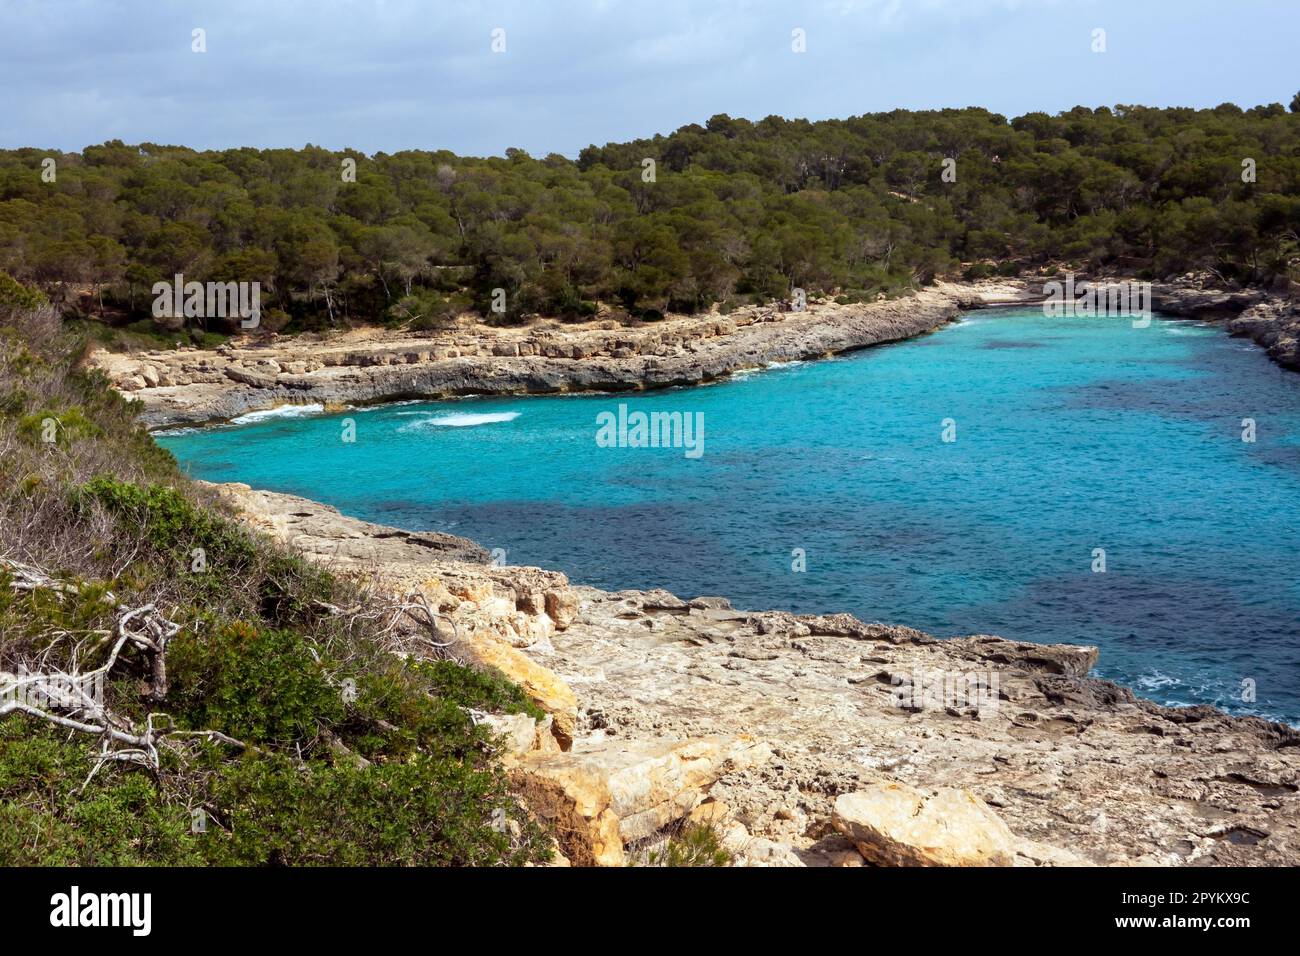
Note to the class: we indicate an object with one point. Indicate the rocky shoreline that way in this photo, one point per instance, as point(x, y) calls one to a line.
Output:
point(191, 386)
point(804, 740)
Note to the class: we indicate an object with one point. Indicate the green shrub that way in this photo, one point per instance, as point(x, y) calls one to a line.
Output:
point(479, 689)
point(174, 528)
point(61, 427)
point(46, 819)
point(16, 297)
point(260, 809)
point(421, 812)
point(252, 683)
point(398, 774)
point(695, 844)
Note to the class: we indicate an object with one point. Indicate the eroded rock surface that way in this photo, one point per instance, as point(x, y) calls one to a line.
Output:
point(609, 793)
point(188, 385)
point(1276, 326)
point(1072, 762)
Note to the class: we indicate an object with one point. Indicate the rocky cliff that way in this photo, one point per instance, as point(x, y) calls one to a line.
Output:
point(190, 385)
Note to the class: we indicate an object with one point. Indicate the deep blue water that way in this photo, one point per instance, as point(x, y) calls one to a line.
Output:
point(1071, 435)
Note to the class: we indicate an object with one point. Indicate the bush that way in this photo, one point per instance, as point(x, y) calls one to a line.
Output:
point(427, 311)
point(478, 689)
point(397, 775)
point(120, 819)
point(421, 812)
point(16, 298)
point(212, 554)
point(52, 426)
point(251, 683)
point(262, 809)
point(694, 844)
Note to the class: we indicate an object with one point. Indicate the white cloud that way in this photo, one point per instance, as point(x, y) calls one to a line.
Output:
point(392, 74)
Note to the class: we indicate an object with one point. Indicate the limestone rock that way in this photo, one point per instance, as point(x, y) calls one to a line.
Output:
point(760, 851)
point(562, 606)
point(245, 377)
point(608, 794)
point(1089, 770)
point(520, 733)
point(322, 533)
point(893, 824)
point(710, 813)
point(543, 687)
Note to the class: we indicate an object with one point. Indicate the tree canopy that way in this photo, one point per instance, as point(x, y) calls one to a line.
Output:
point(726, 212)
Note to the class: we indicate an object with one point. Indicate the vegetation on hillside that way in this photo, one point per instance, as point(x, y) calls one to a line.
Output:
point(735, 211)
point(251, 710)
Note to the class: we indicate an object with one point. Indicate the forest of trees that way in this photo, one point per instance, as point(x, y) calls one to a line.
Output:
point(735, 211)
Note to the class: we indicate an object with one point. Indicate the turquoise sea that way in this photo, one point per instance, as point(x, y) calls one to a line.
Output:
point(1071, 435)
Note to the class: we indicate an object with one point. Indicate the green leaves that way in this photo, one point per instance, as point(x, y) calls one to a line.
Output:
point(254, 684)
point(551, 232)
point(351, 755)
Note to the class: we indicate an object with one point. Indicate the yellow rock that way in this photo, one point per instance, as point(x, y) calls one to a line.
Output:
point(575, 800)
point(893, 824)
point(543, 687)
point(608, 794)
point(710, 813)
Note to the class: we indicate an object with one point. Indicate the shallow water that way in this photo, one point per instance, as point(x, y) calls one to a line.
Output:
point(1071, 435)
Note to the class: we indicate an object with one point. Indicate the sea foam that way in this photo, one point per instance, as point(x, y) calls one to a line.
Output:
point(281, 411)
point(462, 420)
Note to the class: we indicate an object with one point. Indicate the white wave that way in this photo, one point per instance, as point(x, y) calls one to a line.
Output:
point(741, 374)
point(281, 411)
point(1156, 681)
point(461, 420)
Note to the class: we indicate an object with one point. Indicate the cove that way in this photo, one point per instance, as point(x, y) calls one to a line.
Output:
point(1072, 435)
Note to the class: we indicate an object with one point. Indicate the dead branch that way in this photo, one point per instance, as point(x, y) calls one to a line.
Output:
point(73, 699)
point(398, 617)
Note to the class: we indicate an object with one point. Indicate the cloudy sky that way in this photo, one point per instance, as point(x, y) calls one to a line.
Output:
point(395, 74)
